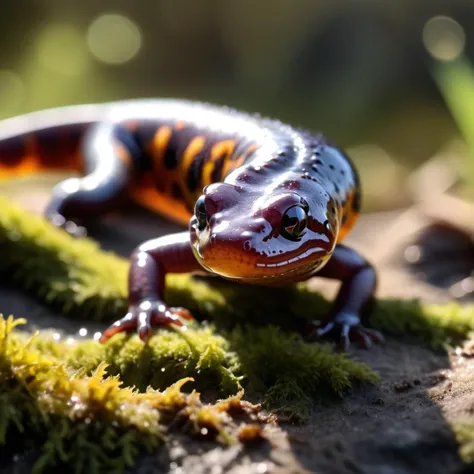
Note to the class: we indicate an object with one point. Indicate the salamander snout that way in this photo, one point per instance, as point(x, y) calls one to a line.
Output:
point(239, 236)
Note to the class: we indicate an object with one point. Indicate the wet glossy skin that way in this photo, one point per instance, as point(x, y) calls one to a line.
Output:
point(266, 203)
point(244, 238)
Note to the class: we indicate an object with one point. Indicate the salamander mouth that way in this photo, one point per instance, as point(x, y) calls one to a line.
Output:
point(278, 276)
point(245, 256)
point(251, 268)
point(317, 253)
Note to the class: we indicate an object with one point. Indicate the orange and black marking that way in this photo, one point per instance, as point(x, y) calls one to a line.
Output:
point(43, 150)
point(183, 158)
point(165, 162)
point(349, 213)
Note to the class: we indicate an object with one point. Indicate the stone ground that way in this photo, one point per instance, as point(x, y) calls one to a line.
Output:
point(398, 427)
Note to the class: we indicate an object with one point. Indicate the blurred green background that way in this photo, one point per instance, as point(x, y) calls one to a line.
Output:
point(381, 78)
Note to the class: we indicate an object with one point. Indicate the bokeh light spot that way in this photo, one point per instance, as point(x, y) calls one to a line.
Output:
point(61, 48)
point(12, 93)
point(444, 38)
point(114, 38)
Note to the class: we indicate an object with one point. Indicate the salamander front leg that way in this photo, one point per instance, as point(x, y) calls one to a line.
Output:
point(150, 263)
point(356, 293)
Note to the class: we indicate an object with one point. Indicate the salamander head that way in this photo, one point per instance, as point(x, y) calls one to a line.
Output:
point(276, 237)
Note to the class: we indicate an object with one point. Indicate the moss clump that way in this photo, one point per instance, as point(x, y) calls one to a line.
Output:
point(169, 356)
point(69, 275)
point(287, 372)
point(436, 326)
point(91, 422)
point(291, 373)
point(464, 432)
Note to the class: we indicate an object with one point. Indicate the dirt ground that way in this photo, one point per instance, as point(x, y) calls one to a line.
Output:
point(400, 426)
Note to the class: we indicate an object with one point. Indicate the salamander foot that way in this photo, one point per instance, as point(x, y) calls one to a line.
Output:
point(144, 316)
point(347, 327)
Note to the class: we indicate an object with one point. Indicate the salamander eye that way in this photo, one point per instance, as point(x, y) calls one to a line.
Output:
point(200, 213)
point(294, 223)
point(327, 226)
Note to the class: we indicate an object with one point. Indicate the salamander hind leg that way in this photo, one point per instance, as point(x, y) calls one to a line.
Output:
point(150, 263)
point(355, 295)
point(110, 151)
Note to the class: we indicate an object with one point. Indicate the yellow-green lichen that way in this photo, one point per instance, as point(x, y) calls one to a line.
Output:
point(464, 432)
point(89, 423)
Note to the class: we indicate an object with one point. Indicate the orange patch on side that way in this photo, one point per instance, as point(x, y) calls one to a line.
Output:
point(157, 150)
point(158, 145)
point(222, 150)
point(179, 125)
point(30, 162)
point(351, 219)
point(189, 154)
point(28, 166)
point(231, 165)
point(149, 197)
point(193, 148)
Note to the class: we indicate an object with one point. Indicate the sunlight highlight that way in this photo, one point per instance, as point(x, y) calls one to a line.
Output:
point(444, 38)
point(114, 38)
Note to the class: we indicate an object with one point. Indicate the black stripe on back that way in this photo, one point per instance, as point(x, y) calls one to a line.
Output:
point(12, 151)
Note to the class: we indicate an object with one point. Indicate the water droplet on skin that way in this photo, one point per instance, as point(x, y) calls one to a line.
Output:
point(261, 468)
point(412, 254)
point(71, 227)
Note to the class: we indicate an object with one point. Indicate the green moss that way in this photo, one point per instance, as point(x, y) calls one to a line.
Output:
point(436, 326)
point(291, 373)
point(464, 432)
point(89, 422)
point(287, 372)
point(266, 357)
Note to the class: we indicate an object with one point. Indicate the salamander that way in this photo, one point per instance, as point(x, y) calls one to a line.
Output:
point(265, 203)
